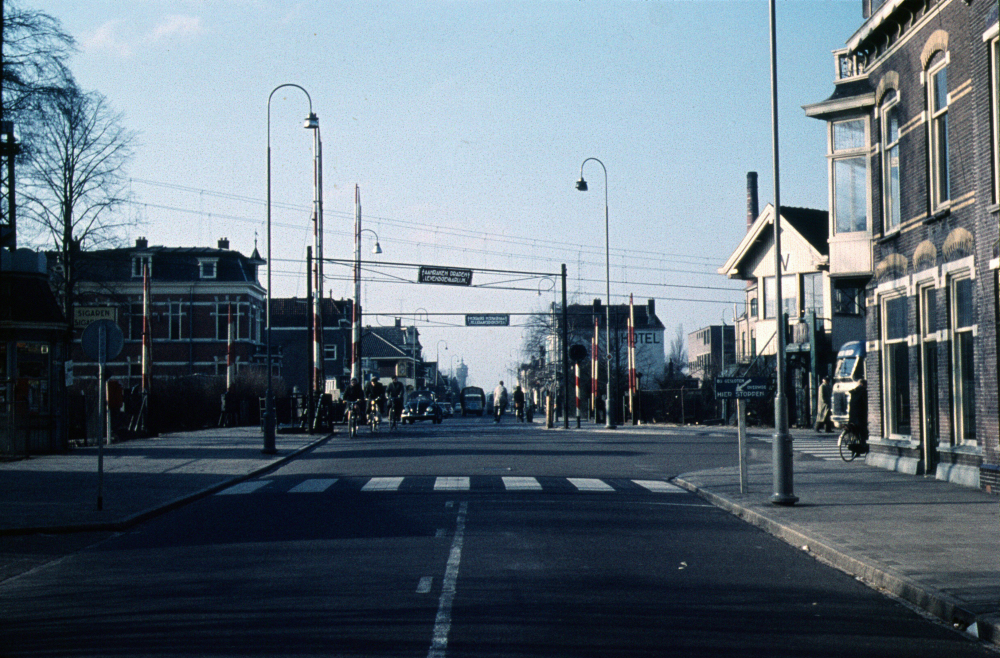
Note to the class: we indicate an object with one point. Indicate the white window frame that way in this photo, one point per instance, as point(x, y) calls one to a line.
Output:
point(175, 312)
point(957, 379)
point(940, 181)
point(889, 385)
point(928, 335)
point(837, 155)
point(137, 263)
point(208, 262)
point(891, 197)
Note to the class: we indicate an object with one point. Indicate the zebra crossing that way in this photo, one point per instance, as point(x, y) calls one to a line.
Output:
point(415, 484)
point(821, 448)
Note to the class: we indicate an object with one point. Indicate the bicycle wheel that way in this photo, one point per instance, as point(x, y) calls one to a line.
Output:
point(352, 426)
point(845, 443)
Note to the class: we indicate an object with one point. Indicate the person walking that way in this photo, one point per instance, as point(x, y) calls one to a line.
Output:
point(519, 403)
point(823, 407)
point(499, 401)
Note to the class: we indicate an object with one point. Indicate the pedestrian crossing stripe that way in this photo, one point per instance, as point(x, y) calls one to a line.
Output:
point(824, 449)
point(455, 484)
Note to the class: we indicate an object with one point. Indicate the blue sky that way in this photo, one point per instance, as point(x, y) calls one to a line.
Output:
point(465, 124)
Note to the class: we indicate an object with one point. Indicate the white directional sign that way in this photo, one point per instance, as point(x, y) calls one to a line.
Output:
point(742, 387)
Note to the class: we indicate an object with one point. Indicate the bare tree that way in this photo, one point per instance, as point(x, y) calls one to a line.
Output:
point(35, 51)
point(678, 355)
point(76, 179)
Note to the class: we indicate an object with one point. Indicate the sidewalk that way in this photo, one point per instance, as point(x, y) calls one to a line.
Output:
point(930, 543)
point(142, 478)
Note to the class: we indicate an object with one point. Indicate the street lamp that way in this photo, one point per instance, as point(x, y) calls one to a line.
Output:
point(356, 341)
point(377, 249)
point(582, 186)
point(311, 123)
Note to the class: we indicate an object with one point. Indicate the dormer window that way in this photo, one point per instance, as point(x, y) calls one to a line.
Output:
point(140, 262)
point(207, 268)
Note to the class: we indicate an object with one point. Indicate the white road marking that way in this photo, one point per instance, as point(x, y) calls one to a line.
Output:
point(590, 484)
point(313, 486)
point(382, 484)
point(424, 586)
point(451, 484)
point(244, 488)
point(659, 486)
point(521, 484)
point(442, 623)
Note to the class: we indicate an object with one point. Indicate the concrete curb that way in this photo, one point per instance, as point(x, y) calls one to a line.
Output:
point(873, 574)
point(180, 501)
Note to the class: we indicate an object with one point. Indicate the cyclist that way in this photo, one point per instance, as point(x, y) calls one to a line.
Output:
point(354, 396)
point(395, 392)
point(519, 403)
point(499, 401)
point(855, 434)
point(375, 394)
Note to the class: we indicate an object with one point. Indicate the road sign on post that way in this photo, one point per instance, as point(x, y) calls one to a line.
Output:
point(744, 388)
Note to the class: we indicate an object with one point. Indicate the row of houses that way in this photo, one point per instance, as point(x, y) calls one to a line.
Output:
point(207, 307)
point(907, 259)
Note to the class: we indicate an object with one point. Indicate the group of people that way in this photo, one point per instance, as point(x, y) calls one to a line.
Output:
point(374, 396)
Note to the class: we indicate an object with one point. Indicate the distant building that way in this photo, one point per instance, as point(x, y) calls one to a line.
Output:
point(395, 350)
point(709, 350)
point(291, 320)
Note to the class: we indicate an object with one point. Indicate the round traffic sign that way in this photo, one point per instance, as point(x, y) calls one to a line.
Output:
point(102, 340)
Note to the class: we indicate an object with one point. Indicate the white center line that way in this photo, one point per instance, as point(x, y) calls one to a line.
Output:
point(442, 623)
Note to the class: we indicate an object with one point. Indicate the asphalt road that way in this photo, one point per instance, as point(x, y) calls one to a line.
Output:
point(461, 539)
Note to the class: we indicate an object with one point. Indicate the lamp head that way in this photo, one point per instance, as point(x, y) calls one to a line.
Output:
point(311, 122)
point(377, 249)
point(581, 184)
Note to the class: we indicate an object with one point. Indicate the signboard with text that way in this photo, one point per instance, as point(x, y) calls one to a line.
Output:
point(84, 315)
point(488, 320)
point(743, 387)
point(448, 276)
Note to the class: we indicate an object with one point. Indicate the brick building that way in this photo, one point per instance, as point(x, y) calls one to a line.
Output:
point(194, 292)
point(912, 161)
point(291, 347)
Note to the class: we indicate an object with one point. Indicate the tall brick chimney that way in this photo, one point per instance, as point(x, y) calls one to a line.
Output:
point(753, 207)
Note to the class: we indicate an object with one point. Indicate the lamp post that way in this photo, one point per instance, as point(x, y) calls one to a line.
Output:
point(582, 186)
point(781, 454)
point(356, 346)
point(311, 123)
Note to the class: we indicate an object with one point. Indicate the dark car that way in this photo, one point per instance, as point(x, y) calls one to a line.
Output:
point(420, 405)
point(473, 401)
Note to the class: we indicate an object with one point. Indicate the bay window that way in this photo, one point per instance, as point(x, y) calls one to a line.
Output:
point(850, 176)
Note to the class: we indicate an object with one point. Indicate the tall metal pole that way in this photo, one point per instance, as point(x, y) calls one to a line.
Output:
point(319, 373)
point(582, 186)
point(565, 351)
point(782, 449)
point(356, 338)
point(269, 419)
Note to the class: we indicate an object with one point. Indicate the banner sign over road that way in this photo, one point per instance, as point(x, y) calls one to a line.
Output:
point(743, 387)
point(488, 320)
point(448, 276)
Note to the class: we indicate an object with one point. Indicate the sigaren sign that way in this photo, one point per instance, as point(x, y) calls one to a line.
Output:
point(488, 320)
point(743, 387)
point(448, 276)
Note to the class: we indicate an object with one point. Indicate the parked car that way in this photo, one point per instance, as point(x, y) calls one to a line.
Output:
point(420, 405)
point(473, 401)
point(446, 409)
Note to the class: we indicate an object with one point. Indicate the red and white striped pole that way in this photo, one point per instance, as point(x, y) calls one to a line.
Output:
point(594, 368)
point(631, 359)
point(230, 353)
point(576, 367)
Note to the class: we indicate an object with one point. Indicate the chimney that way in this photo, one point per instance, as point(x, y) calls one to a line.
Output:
point(224, 243)
point(399, 323)
point(753, 207)
point(141, 243)
point(651, 309)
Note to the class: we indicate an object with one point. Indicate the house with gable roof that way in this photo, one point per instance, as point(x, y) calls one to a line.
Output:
point(816, 325)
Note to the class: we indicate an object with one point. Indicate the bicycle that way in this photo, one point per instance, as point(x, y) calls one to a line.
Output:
point(394, 405)
point(374, 417)
point(853, 442)
point(353, 410)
